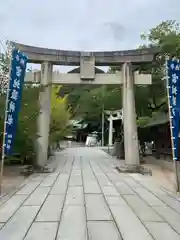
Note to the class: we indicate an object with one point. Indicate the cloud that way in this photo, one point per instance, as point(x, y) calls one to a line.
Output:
point(85, 24)
point(116, 29)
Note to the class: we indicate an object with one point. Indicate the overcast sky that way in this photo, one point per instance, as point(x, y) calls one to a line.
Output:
point(83, 24)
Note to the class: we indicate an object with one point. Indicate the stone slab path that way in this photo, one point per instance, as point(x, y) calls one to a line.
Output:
point(87, 199)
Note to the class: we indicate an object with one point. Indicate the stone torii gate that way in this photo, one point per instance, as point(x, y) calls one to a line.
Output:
point(113, 115)
point(87, 62)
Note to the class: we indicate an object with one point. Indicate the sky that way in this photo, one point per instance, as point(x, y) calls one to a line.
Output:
point(83, 24)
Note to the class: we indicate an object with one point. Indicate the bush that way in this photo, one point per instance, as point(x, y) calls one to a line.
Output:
point(59, 126)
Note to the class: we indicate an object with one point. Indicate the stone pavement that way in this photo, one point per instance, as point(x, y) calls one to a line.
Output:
point(87, 199)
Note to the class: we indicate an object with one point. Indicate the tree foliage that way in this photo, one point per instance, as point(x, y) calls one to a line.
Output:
point(60, 116)
point(91, 103)
point(4, 66)
point(165, 36)
point(25, 142)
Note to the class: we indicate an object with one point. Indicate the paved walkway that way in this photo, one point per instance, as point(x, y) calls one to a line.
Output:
point(86, 198)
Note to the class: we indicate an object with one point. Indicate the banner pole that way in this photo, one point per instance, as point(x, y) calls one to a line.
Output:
point(175, 163)
point(3, 145)
point(4, 131)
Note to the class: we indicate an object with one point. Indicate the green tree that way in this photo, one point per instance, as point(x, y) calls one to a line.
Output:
point(74, 94)
point(93, 102)
point(165, 36)
point(4, 66)
point(60, 116)
point(26, 136)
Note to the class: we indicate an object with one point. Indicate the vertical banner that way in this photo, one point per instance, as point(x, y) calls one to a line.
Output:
point(173, 74)
point(17, 75)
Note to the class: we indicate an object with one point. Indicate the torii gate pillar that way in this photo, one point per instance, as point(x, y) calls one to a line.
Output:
point(44, 114)
point(129, 117)
point(110, 140)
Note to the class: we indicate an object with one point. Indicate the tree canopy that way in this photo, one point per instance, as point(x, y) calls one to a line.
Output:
point(60, 116)
point(165, 36)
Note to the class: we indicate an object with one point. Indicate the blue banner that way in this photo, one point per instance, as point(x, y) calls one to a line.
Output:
point(173, 67)
point(17, 75)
